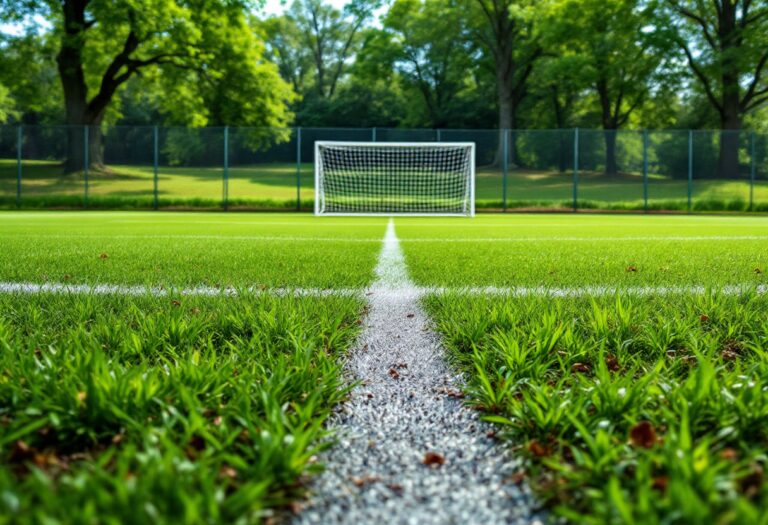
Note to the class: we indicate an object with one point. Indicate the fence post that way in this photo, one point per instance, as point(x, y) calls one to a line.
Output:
point(298, 169)
point(373, 134)
point(752, 170)
point(155, 162)
point(19, 138)
point(645, 171)
point(576, 169)
point(505, 169)
point(86, 161)
point(225, 195)
point(439, 135)
point(690, 170)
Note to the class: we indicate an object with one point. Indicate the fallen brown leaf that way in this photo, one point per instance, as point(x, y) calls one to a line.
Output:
point(643, 435)
point(433, 459)
point(539, 450)
point(581, 368)
point(518, 477)
point(227, 472)
point(364, 480)
point(660, 483)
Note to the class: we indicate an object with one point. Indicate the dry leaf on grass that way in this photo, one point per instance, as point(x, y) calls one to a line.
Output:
point(643, 435)
point(433, 459)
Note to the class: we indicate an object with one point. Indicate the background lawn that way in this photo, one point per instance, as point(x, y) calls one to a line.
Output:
point(275, 186)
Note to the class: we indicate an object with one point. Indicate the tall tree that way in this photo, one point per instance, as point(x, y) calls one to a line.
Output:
point(725, 43)
point(426, 48)
point(610, 49)
point(331, 36)
point(286, 47)
point(505, 29)
point(102, 45)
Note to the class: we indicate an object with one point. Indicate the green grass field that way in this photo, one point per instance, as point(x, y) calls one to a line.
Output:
point(274, 186)
point(628, 406)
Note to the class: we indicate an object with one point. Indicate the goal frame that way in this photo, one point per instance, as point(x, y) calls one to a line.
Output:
point(318, 167)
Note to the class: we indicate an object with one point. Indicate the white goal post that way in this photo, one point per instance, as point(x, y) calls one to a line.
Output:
point(395, 178)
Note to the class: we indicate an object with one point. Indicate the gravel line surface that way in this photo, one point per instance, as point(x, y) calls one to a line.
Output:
point(408, 451)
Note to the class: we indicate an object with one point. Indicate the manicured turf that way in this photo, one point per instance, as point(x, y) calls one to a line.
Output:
point(185, 410)
point(628, 410)
point(188, 249)
point(275, 186)
point(566, 250)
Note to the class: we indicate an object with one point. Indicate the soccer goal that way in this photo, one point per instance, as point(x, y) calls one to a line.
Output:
point(395, 178)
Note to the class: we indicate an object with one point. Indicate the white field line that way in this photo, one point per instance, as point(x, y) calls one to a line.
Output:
point(276, 238)
point(309, 238)
point(392, 282)
point(595, 291)
point(659, 238)
point(157, 291)
point(399, 411)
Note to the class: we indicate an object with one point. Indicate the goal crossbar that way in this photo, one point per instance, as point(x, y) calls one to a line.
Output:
point(395, 178)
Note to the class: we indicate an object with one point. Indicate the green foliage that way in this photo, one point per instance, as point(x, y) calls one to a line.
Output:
point(199, 60)
point(425, 43)
point(6, 104)
point(632, 409)
point(142, 409)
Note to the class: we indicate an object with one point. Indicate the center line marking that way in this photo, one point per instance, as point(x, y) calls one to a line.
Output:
point(403, 414)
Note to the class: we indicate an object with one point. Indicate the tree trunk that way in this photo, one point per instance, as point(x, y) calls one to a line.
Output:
point(75, 160)
point(96, 147)
point(504, 93)
point(70, 66)
point(610, 127)
point(562, 157)
point(611, 166)
point(730, 124)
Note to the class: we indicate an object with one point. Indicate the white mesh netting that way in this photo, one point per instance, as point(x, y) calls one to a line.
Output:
point(394, 178)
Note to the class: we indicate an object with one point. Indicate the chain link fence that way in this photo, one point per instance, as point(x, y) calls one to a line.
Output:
point(150, 167)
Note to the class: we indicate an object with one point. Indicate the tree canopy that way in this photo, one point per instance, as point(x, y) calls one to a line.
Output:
point(407, 63)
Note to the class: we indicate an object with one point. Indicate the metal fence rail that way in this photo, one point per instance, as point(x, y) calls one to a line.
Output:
point(151, 167)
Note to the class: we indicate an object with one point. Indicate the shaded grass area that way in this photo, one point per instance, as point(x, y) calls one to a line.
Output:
point(188, 249)
point(274, 186)
point(171, 410)
point(626, 409)
point(561, 251)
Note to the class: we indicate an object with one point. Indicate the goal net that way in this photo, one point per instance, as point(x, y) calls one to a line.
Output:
point(394, 178)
